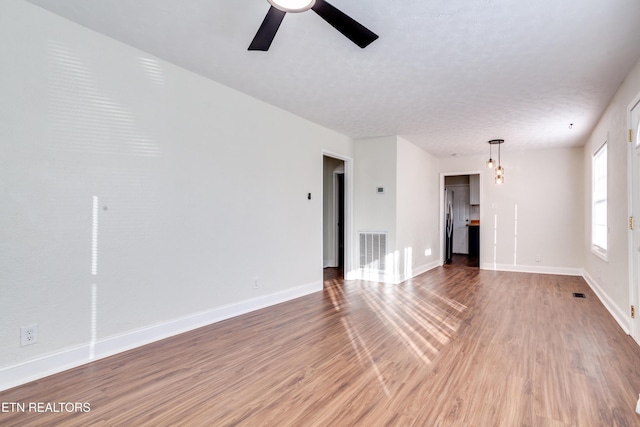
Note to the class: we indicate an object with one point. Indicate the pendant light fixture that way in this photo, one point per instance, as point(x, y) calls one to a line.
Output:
point(499, 178)
point(490, 163)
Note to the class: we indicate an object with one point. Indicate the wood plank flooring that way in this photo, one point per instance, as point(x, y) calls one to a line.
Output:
point(452, 347)
point(463, 260)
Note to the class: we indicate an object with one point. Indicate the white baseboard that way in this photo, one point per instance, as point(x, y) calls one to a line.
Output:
point(614, 309)
point(53, 363)
point(392, 279)
point(375, 276)
point(424, 268)
point(563, 271)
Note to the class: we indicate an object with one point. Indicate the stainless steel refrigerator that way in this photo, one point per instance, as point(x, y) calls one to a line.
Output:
point(448, 225)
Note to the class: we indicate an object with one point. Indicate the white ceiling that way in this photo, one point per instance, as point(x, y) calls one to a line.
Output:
point(447, 75)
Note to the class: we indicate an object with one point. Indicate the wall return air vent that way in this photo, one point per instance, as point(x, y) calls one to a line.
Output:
point(373, 251)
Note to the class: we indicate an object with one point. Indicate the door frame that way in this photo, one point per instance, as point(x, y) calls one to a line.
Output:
point(349, 273)
point(336, 216)
point(442, 208)
point(634, 264)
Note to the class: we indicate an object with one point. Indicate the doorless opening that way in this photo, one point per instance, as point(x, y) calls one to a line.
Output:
point(460, 219)
point(336, 213)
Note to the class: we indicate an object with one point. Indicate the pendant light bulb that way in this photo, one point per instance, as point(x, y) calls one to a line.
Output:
point(490, 163)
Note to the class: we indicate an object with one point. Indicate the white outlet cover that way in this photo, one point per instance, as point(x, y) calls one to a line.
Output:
point(28, 335)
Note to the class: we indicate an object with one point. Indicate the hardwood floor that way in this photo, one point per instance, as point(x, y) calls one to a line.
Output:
point(452, 347)
point(462, 260)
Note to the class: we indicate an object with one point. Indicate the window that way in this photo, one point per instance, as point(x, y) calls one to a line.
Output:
point(599, 203)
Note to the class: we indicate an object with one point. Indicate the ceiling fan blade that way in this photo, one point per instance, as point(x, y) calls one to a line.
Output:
point(353, 30)
point(267, 30)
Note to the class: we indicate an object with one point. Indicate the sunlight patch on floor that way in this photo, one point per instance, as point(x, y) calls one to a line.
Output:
point(362, 352)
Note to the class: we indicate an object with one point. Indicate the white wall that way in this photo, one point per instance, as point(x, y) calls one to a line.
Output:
point(407, 210)
point(417, 210)
point(537, 212)
point(375, 166)
point(197, 196)
point(611, 278)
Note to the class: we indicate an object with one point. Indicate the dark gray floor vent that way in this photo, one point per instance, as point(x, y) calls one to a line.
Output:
point(579, 295)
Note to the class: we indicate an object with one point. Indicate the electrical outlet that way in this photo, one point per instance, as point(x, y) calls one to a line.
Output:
point(538, 258)
point(29, 334)
point(256, 284)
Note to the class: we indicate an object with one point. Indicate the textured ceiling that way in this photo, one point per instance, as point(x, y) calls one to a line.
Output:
point(447, 75)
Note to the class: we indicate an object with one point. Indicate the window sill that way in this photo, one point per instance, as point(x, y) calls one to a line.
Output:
point(600, 253)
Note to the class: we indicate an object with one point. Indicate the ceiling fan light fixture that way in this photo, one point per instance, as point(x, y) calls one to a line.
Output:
point(349, 27)
point(293, 6)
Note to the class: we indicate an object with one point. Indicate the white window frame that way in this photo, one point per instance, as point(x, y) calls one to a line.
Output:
point(599, 190)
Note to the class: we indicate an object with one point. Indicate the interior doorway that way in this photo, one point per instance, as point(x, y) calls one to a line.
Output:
point(339, 209)
point(336, 215)
point(460, 223)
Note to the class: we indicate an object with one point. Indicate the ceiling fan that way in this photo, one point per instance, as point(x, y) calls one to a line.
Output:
point(353, 30)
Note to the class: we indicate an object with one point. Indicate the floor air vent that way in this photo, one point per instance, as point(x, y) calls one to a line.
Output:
point(579, 295)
